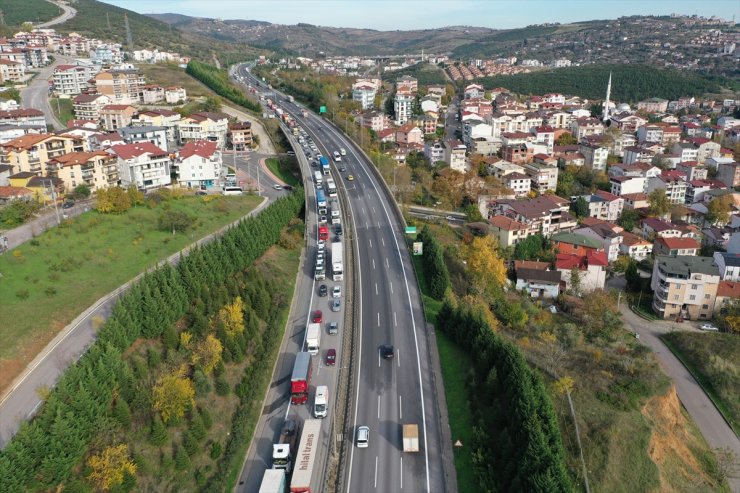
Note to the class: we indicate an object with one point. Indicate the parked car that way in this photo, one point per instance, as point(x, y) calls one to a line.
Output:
point(709, 327)
point(350, 178)
point(68, 204)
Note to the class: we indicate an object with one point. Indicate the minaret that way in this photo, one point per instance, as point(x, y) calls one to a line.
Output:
point(607, 103)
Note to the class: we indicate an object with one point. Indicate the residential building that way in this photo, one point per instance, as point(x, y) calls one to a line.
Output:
point(115, 116)
point(517, 153)
point(635, 246)
point(586, 126)
point(727, 292)
point(175, 95)
point(546, 214)
point(728, 265)
point(143, 165)
point(676, 246)
point(673, 185)
point(693, 170)
point(403, 107)
point(729, 174)
point(71, 80)
point(364, 94)
point(407, 84)
point(684, 287)
point(543, 177)
point(595, 156)
point(30, 153)
point(608, 234)
point(409, 134)
point(434, 151)
point(654, 228)
point(198, 164)
point(204, 126)
point(30, 116)
point(474, 91)
point(122, 86)
point(89, 106)
point(508, 231)
point(160, 118)
point(638, 154)
point(97, 170)
point(591, 269)
point(11, 71)
point(44, 189)
point(9, 194)
point(574, 244)
point(240, 136)
point(653, 105)
point(635, 200)
point(538, 283)
point(376, 121)
point(624, 185)
point(138, 134)
point(455, 155)
point(520, 183)
point(152, 94)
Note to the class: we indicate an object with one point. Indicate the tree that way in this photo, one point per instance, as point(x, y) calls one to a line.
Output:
point(207, 354)
point(110, 466)
point(173, 395)
point(113, 200)
point(485, 267)
point(580, 207)
point(81, 191)
point(136, 196)
point(719, 210)
point(564, 385)
point(576, 280)
point(628, 219)
point(231, 317)
point(659, 203)
point(158, 435)
point(175, 221)
point(634, 281)
point(566, 139)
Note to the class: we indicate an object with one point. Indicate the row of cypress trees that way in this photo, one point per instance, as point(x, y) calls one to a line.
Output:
point(218, 81)
point(44, 451)
point(433, 262)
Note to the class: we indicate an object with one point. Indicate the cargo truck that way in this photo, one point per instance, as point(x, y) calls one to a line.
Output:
point(313, 338)
point(273, 481)
point(411, 438)
point(306, 456)
point(300, 379)
point(337, 264)
point(283, 452)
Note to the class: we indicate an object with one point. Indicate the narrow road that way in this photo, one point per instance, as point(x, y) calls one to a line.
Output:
point(36, 94)
point(47, 219)
point(712, 425)
point(67, 13)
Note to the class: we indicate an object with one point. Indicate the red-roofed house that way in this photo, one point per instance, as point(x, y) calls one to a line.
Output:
point(676, 246)
point(635, 246)
point(198, 164)
point(205, 125)
point(727, 292)
point(508, 231)
point(97, 170)
point(8, 194)
point(652, 226)
point(409, 134)
point(144, 165)
point(590, 267)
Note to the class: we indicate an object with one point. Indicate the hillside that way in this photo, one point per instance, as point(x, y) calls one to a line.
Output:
point(310, 40)
point(630, 83)
point(16, 12)
point(100, 20)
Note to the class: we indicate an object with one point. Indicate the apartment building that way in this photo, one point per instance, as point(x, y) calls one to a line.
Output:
point(635, 246)
point(676, 246)
point(211, 126)
point(122, 86)
point(11, 71)
point(624, 185)
point(30, 153)
point(89, 106)
point(70, 80)
point(159, 118)
point(364, 94)
point(455, 152)
point(198, 164)
point(240, 136)
point(673, 183)
point(407, 84)
point(653, 105)
point(508, 231)
point(97, 170)
point(591, 268)
point(175, 95)
point(144, 165)
point(376, 121)
point(729, 174)
point(139, 134)
point(684, 286)
point(546, 214)
point(543, 177)
point(115, 116)
point(403, 107)
point(23, 116)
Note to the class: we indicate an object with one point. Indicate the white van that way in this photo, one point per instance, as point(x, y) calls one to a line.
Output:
point(343, 151)
point(321, 402)
point(318, 178)
point(233, 190)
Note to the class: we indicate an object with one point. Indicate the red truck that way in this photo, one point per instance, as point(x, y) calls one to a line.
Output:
point(301, 378)
point(323, 233)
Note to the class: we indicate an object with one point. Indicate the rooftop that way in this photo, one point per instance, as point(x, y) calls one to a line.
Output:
point(576, 239)
point(686, 265)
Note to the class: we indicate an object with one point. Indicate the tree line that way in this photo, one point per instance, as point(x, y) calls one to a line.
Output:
point(218, 81)
point(45, 450)
point(517, 443)
point(630, 83)
point(433, 264)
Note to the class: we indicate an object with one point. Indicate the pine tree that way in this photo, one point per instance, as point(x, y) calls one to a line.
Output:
point(158, 435)
point(122, 413)
point(182, 460)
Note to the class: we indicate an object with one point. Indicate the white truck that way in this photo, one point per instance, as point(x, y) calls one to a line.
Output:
point(313, 338)
point(303, 471)
point(337, 263)
point(411, 438)
point(273, 481)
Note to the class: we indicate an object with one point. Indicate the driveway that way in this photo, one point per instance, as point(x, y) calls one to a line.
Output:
point(712, 425)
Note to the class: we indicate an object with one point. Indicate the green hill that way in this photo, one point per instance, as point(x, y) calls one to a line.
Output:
point(16, 12)
point(630, 83)
point(103, 21)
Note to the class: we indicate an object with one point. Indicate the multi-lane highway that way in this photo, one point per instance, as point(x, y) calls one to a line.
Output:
point(386, 393)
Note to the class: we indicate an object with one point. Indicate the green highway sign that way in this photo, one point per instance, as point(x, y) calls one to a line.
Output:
point(410, 230)
point(322, 109)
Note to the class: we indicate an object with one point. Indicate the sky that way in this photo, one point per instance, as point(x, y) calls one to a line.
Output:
point(425, 14)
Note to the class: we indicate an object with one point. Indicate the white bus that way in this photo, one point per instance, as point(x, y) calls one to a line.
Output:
point(317, 177)
point(331, 187)
point(337, 157)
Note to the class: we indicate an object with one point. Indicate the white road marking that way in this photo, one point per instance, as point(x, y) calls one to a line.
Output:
point(376, 471)
point(367, 226)
point(379, 225)
point(398, 359)
point(391, 285)
point(378, 319)
point(395, 322)
point(373, 210)
point(387, 265)
point(378, 408)
point(400, 409)
point(376, 289)
point(373, 263)
point(370, 243)
point(363, 210)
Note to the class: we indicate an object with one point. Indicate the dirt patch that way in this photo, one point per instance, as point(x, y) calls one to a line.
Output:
point(10, 369)
point(671, 443)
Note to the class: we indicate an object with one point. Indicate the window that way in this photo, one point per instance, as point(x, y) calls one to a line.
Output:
point(675, 297)
point(692, 297)
point(707, 296)
point(704, 307)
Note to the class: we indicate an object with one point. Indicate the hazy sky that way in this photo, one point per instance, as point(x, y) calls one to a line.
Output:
point(419, 14)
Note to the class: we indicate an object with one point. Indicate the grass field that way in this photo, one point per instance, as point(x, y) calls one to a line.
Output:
point(713, 360)
point(51, 279)
point(63, 109)
point(16, 12)
point(169, 74)
point(282, 168)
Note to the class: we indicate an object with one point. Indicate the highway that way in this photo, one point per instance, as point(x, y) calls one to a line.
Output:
point(392, 392)
point(67, 13)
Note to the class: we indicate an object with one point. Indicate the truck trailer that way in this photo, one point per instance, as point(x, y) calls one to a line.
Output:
point(337, 262)
point(313, 338)
point(306, 456)
point(411, 438)
point(273, 481)
point(300, 379)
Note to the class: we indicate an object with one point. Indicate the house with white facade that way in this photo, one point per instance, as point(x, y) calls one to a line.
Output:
point(143, 165)
point(198, 164)
point(729, 265)
point(211, 126)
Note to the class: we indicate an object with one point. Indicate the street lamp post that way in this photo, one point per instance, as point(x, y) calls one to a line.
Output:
point(54, 199)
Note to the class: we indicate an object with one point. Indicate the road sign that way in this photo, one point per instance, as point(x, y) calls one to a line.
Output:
point(322, 109)
point(418, 248)
point(410, 230)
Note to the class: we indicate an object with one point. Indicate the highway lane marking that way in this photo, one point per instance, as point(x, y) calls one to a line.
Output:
point(381, 238)
point(400, 410)
point(374, 210)
point(395, 322)
point(376, 289)
point(373, 263)
point(367, 226)
point(370, 242)
point(391, 285)
point(376, 471)
point(398, 360)
point(401, 472)
point(379, 228)
point(387, 265)
point(378, 319)
point(378, 408)
point(363, 210)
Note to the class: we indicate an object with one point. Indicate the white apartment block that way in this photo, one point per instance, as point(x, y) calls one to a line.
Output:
point(144, 165)
point(403, 107)
point(71, 80)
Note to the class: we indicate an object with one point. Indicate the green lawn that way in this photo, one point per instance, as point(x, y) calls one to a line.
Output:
point(282, 169)
point(16, 12)
point(63, 109)
point(713, 360)
point(49, 280)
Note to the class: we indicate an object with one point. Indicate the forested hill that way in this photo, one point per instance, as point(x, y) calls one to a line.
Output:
point(630, 83)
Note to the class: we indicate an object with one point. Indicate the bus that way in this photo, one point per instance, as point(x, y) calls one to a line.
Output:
point(320, 198)
point(317, 178)
point(337, 156)
point(331, 187)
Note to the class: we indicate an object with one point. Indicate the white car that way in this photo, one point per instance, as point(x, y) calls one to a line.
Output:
point(277, 187)
point(335, 213)
point(336, 292)
point(709, 327)
point(322, 220)
point(362, 438)
point(321, 244)
point(335, 220)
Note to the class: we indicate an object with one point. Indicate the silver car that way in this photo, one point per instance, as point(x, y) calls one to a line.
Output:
point(335, 304)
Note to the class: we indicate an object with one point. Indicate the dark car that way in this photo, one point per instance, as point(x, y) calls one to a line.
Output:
point(342, 169)
point(201, 192)
point(331, 357)
point(338, 229)
point(68, 205)
point(317, 317)
point(387, 351)
point(323, 291)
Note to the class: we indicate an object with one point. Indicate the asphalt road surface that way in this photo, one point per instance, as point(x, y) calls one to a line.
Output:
point(387, 393)
point(67, 13)
point(36, 94)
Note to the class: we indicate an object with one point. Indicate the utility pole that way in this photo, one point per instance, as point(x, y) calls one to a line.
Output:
point(129, 39)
